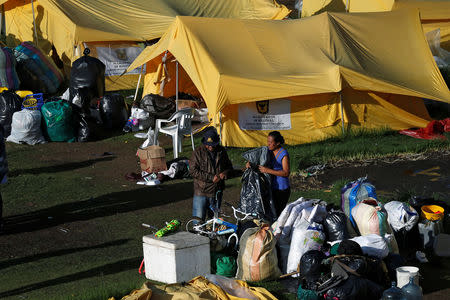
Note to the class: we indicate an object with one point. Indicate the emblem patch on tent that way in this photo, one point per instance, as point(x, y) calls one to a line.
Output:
point(262, 106)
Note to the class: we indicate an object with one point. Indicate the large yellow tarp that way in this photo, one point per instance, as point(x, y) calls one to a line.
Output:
point(68, 23)
point(433, 14)
point(232, 62)
point(199, 288)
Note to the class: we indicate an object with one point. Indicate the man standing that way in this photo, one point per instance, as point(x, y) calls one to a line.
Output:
point(209, 166)
point(3, 171)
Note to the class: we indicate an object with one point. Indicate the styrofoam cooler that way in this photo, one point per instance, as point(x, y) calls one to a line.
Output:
point(177, 257)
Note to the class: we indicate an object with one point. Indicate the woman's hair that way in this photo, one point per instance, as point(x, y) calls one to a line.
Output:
point(277, 137)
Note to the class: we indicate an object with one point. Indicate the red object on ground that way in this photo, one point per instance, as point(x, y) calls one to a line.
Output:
point(434, 130)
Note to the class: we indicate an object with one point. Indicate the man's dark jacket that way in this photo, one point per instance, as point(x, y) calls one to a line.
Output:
point(203, 170)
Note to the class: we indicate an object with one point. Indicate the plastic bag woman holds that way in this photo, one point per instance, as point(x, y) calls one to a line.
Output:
point(256, 192)
point(257, 259)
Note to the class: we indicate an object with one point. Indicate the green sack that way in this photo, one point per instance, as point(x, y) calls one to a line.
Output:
point(306, 294)
point(58, 121)
point(334, 248)
point(226, 266)
point(214, 257)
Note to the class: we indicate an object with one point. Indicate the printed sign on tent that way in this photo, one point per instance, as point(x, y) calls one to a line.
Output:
point(117, 60)
point(265, 115)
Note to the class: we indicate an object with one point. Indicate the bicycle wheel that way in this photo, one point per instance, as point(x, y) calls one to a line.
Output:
point(191, 224)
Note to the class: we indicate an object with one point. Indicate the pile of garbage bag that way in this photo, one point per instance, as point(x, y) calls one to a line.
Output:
point(339, 253)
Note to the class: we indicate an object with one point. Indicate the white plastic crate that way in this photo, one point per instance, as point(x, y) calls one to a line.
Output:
point(177, 257)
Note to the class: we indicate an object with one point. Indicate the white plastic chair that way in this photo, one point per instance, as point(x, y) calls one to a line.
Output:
point(183, 126)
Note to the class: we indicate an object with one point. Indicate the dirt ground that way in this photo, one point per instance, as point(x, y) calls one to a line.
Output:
point(85, 227)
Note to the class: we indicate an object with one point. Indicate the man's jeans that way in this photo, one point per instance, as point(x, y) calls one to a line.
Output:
point(201, 206)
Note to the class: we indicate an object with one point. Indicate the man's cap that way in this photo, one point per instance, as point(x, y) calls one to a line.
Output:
point(210, 137)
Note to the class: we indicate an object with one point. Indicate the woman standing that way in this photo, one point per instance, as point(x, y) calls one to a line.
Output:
point(280, 170)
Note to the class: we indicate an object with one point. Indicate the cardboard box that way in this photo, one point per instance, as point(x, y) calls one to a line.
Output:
point(152, 159)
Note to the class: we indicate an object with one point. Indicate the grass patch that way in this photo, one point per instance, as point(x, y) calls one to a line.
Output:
point(354, 145)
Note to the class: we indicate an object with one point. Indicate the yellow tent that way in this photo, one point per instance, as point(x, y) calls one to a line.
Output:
point(304, 68)
point(110, 27)
point(433, 14)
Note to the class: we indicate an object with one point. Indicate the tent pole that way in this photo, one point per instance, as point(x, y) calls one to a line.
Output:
point(176, 87)
point(342, 113)
point(346, 6)
point(220, 126)
point(139, 83)
point(3, 24)
point(34, 24)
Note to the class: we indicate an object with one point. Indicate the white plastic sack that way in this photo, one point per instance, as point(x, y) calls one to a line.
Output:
point(306, 236)
point(150, 139)
point(390, 240)
point(66, 95)
point(401, 215)
point(26, 128)
point(370, 219)
point(142, 117)
point(286, 220)
point(315, 213)
point(231, 287)
point(373, 245)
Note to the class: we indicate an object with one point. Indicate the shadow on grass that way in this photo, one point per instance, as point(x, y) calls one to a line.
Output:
point(32, 258)
point(60, 168)
point(108, 269)
point(105, 205)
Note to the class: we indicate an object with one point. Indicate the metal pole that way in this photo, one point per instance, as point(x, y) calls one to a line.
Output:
point(176, 87)
point(3, 30)
point(342, 113)
point(346, 5)
point(34, 24)
point(139, 82)
point(220, 126)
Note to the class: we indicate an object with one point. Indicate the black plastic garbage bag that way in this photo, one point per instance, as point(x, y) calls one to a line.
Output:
point(157, 104)
point(256, 192)
point(87, 128)
point(394, 261)
point(311, 264)
point(356, 263)
point(10, 102)
point(113, 111)
point(87, 80)
point(335, 225)
point(158, 107)
point(349, 247)
point(355, 288)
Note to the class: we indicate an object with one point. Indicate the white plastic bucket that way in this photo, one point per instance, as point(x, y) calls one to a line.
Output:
point(404, 273)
